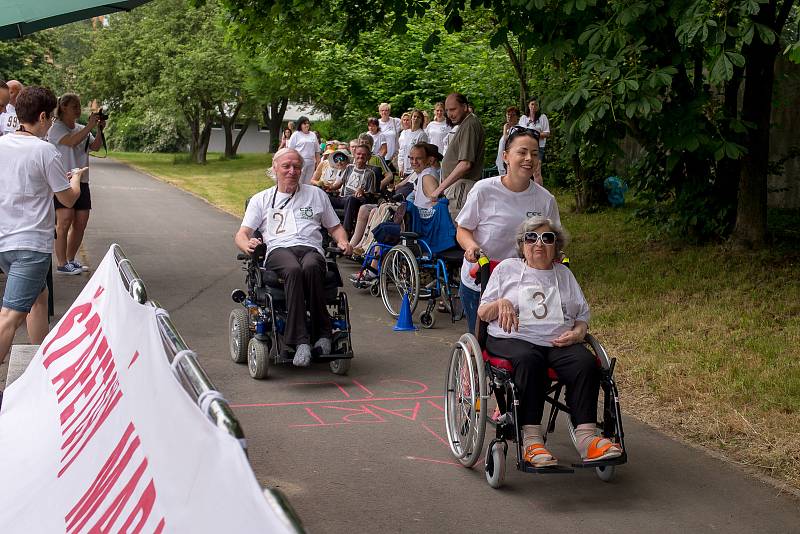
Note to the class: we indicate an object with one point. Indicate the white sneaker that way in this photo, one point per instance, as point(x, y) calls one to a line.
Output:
point(78, 265)
point(68, 268)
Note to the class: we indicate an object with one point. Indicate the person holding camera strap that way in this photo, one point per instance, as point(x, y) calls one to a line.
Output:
point(74, 141)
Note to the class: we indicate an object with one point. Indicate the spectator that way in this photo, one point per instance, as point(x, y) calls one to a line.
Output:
point(391, 128)
point(10, 122)
point(375, 160)
point(426, 121)
point(408, 138)
point(330, 173)
point(463, 162)
point(32, 173)
point(306, 143)
point(438, 128)
point(380, 146)
point(5, 98)
point(512, 119)
point(287, 134)
point(536, 120)
point(73, 141)
point(358, 186)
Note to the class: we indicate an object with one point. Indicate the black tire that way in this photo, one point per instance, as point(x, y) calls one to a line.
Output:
point(466, 393)
point(495, 464)
point(238, 334)
point(258, 359)
point(427, 320)
point(375, 289)
point(340, 367)
point(399, 275)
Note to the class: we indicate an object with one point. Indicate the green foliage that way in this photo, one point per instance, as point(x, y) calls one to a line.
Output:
point(150, 131)
point(26, 59)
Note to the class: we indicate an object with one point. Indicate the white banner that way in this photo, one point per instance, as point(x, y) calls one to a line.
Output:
point(98, 435)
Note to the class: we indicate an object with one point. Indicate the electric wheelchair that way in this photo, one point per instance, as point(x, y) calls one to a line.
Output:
point(473, 376)
point(408, 266)
point(256, 327)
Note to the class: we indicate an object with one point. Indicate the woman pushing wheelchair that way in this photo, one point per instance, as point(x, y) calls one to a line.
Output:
point(290, 217)
point(537, 318)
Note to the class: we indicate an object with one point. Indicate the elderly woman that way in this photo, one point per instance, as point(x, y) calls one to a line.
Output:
point(306, 143)
point(538, 317)
point(290, 216)
point(330, 173)
point(495, 206)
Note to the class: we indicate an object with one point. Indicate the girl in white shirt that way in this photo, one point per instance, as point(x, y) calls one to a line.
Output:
point(438, 129)
point(536, 120)
point(306, 143)
point(379, 144)
point(408, 138)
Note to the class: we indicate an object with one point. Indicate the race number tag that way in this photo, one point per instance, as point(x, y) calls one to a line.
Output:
point(280, 223)
point(539, 305)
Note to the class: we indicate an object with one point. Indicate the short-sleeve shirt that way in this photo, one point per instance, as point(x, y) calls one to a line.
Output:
point(466, 145)
point(74, 157)
point(437, 132)
point(311, 208)
point(306, 144)
point(409, 138)
point(379, 139)
point(512, 274)
point(10, 122)
point(391, 129)
point(365, 179)
point(32, 172)
point(541, 124)
point(493, 213)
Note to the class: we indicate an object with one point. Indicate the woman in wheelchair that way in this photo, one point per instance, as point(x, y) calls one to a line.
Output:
point(290, 216)
point(537, 318)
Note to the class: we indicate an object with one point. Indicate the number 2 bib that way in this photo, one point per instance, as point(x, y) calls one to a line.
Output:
point(280, 223)
point(539, 305)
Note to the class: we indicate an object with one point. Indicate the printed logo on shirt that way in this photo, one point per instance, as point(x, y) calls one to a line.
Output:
point(306, 213)
point(534, 214)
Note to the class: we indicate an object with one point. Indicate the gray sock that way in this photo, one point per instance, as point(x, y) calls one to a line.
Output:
point(302, 355)
point(324, 345)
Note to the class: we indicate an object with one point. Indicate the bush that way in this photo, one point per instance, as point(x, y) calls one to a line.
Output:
point(153, 131)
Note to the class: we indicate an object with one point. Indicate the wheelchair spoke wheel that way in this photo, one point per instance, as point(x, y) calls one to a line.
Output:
point(466, 400)
point(238, 334)
point(399, 276)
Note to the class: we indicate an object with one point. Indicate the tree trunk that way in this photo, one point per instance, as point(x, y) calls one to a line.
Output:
point(239, 137)
point(193, 120)
point(228, 124)
point(519, 62)
point(751, 213)
point(273, 116)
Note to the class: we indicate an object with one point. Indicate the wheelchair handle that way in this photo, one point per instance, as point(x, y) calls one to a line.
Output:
point(336, 251)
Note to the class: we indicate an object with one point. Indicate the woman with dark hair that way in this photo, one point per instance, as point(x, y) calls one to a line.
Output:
point(32, 173)
point(495, 206)
point(536, 120)
point(512, 119)
point(307, 144)
point(379, 143)
point(287, 134)
point(73, 141)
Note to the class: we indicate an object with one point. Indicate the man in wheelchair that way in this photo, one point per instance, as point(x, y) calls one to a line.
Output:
point(537, 318)
point(290, 216)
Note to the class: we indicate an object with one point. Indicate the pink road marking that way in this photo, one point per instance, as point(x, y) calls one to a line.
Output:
point(432, 460)
point(440, 408)
point(337, 401)
point(362, 386)
point(314, 416)
point(344, 392)
point(422, 387)
point(340, 424)
point(437, 436)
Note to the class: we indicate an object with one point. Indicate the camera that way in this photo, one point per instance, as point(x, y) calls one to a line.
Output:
point(102, 114)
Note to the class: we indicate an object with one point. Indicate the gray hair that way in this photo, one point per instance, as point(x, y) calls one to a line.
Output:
point(532, 223)
point(270, 172)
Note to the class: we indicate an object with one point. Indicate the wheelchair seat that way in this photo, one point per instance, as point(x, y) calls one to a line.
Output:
point(452, 256)
point(505, 365)
point(274, 285)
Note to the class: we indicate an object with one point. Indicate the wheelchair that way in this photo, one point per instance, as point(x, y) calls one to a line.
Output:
point(256, 327)
point(411, 268)
point(473, 376)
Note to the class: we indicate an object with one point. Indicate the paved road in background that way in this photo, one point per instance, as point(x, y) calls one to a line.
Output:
point(366, 452)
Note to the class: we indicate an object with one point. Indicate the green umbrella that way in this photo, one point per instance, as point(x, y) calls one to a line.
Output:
point(22, 17)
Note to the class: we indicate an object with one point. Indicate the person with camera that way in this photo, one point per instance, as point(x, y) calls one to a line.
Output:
point(74, 141)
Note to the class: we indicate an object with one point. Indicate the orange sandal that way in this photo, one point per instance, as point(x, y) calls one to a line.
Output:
point(538, 456)
point(602, 449)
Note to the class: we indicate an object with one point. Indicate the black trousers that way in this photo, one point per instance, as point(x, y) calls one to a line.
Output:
point(350, 204)
point(574, 365)
point(302, 269)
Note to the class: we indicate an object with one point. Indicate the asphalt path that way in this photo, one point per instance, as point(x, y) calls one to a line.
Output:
point(366, 452)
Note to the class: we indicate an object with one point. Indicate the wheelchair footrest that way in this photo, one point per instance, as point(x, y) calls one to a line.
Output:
point(619, 460)
point(332, 357)
point(552, 470)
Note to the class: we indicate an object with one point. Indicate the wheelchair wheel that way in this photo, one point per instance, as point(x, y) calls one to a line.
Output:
point(466, 400)
point(399, 276)
point(495, 463)
point(375, 289)
point(427, 320)
point(258, 359)
point(340, 367)
point(605, 473)
point(239, 334)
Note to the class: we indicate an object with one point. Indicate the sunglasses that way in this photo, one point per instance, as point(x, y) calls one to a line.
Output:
point(548, 238)
point(339, 159)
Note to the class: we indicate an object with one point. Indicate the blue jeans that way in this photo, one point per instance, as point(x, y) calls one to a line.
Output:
point(27, 277)
point(470, 299)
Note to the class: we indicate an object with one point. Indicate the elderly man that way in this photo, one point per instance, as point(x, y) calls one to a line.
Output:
point(463, 161)
point(5, 98)
point(10, 122)
point(289, 216)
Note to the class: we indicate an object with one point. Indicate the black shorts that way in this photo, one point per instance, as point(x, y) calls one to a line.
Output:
point(84, 201)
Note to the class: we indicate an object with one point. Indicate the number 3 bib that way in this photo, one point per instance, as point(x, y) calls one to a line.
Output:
point(538, 305)
point(280, 223)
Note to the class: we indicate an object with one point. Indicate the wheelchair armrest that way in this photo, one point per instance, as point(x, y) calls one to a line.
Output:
point(599, 350)
point(242, 256)
point(270, 278)
point(409, 235)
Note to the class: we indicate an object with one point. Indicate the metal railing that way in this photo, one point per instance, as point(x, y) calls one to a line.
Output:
point(196, 382)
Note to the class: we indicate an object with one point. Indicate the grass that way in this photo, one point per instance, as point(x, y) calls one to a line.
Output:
point(706, 336)
point(225, 183)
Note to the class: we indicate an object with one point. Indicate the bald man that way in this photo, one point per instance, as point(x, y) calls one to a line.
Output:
point(10, 122)
point(5, 98)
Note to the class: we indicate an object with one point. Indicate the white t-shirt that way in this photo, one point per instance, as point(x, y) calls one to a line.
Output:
point(379, 139)
point(306, 144)
point(32, 171)
point(310, 207)
point(437, 131)
point(512, 274)
point(423, 203)
point(409, 138)
point(73, 156)
point(541, 125)
point(331, 175)
point(494, 212)
point(449, 137)
point(10, 122)
point(391, 129)
point(501, 165)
